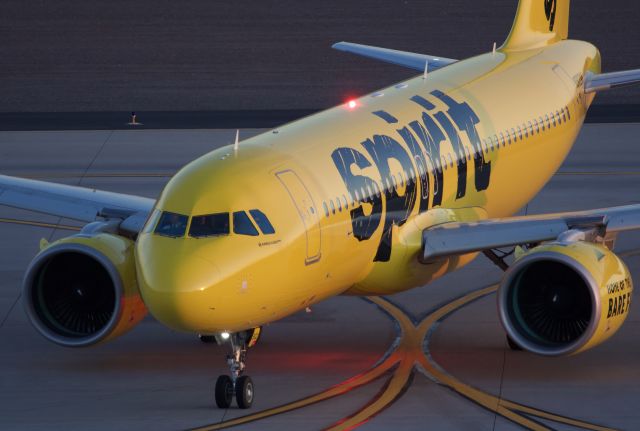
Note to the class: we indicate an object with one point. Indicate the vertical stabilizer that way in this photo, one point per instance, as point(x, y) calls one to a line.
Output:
point(538, 23)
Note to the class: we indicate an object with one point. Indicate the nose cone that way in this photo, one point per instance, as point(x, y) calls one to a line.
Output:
point(174, 279)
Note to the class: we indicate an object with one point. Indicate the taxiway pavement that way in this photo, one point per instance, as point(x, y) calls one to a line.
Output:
point(155, 378)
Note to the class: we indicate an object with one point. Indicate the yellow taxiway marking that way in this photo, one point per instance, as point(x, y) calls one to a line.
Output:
point(411, 351)
point(41, 175)
point(39, 224)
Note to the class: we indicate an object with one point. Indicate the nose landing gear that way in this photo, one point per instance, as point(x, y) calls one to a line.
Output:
point(237, 384)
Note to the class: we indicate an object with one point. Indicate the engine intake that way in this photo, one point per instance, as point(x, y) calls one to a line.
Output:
point(557, 299)
point(82, 290)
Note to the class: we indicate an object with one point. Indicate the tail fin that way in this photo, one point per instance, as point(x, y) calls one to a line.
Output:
point(538, 23)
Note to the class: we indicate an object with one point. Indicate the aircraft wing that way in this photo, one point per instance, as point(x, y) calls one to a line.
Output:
point(606, 81)
point(77, 203)
point(451, 239)
point(401, 58)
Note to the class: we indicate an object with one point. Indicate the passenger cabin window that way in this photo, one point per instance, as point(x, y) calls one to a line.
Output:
point(263, 222)
point(209, 225)
point(242, 224)
point(172, 225)
point(326, 209)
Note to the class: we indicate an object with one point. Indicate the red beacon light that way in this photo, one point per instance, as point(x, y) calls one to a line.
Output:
point(352, 104)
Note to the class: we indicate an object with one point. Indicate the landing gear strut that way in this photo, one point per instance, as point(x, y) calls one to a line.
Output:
point(237, 384)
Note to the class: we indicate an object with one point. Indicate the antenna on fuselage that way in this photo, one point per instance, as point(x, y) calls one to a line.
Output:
point(426, 69)
point(237, 142)
point(494, 49)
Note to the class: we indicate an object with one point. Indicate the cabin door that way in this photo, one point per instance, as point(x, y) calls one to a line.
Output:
point(307, 211)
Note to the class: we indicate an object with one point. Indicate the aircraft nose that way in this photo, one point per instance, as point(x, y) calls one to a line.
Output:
point(173, 281)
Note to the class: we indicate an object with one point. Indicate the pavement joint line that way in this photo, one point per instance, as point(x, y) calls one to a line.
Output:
point(53, 232)
point(39, 224)
point(95, 157)
point(404, 359)
point(410, 353)
point(504, 364)
point(6, 317)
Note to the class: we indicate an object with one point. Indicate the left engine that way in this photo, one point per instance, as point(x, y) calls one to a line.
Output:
point(564, 298)
point(82, 290)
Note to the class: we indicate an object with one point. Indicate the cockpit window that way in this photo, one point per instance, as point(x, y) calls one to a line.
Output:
point(209, 225)
point(242, 224)
point(172, 224)
point(263, 222)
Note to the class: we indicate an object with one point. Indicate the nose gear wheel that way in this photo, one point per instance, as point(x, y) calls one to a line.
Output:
point(238, 385)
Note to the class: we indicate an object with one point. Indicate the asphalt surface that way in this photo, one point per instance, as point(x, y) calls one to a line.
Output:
point(154, 378)
point(160, 55)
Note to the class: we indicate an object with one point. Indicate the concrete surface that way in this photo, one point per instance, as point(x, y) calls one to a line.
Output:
point(154, 378)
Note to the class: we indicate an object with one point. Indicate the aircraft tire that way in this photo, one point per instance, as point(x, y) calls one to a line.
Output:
point(244, 392)
point(224, 392)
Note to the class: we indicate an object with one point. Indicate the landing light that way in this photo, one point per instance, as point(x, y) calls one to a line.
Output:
point(225, 335)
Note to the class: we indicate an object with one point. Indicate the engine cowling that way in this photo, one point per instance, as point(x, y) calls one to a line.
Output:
point(564, 298)
point(82, 290)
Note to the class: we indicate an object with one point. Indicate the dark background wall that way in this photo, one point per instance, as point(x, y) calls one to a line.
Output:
point(159, 55)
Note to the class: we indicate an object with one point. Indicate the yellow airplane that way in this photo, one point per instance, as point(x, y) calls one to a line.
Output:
point(383, 194)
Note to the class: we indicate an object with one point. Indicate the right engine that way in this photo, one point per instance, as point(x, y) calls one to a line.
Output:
point(564, 298)
point(82, 290)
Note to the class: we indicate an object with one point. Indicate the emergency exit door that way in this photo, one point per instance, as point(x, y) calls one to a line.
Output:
point(307, 210)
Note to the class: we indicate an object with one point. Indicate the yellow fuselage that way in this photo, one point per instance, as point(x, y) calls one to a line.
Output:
point(476, 139)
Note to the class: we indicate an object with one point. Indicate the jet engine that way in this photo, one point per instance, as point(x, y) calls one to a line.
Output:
point(82, 290)
point(564, 298)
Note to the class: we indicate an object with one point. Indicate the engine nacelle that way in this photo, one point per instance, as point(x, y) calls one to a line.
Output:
point(561, 299)
point(82, 290)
